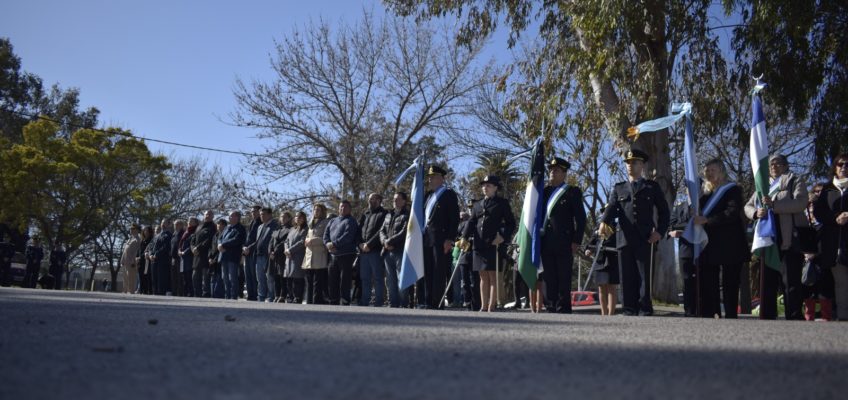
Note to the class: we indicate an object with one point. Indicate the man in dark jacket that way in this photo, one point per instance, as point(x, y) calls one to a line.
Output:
point(393, 239)
point(230, 248)
point(636, 203)
point(201, 243)
point(216, 278)
point(341, 237)
point(161, 257)
point(370, 262)
point(562, 234)
point(264, 272)
point(441, 216)
point(34, 256)
point(58, 258)
point(249, 251)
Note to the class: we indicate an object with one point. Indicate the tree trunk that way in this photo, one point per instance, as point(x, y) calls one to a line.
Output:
point(665, 274)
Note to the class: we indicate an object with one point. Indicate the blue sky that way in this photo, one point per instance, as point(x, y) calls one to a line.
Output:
point(165, 69)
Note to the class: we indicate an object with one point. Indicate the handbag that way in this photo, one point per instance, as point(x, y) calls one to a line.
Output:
point(810, 274)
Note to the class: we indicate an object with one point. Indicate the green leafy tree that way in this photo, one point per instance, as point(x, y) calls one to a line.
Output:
point(71, 189)
point(801, 49)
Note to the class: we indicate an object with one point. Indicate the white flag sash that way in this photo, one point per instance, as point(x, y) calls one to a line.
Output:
point(431, 203)
point(714, 199)
point(553, 200)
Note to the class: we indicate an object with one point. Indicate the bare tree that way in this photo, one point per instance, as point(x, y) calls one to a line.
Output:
point(355, 102)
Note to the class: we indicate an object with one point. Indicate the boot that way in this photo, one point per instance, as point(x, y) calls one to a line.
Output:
point(810, 309)
point(826, 309)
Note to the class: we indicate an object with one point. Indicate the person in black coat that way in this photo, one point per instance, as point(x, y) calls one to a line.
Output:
point(441, 216)
point(635, 204)
point(58, 258)
point(562, 234)
point(176, 286)
point(277, 253)
point(34, 256)
point(721, 205)
point(686, 256)
point(605, 269)
point(371, 266)
point(831, 211)
point(145, 265)
point(491, 223)
point(161, 257)
point(216, 276)
point(201, 243)
point(393, 239)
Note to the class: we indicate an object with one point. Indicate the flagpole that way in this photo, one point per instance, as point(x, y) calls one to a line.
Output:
point(450, 281)
point(497, 277)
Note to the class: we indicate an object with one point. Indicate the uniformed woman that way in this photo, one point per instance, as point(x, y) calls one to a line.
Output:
point(605, 269)
point(491, 224)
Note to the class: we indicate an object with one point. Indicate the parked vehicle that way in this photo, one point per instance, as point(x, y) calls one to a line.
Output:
point(584, 298)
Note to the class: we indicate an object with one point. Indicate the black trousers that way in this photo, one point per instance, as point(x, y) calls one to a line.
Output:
point(690, 290)
point(316, 286)
point(294, 288)
point(769, 284)
point(634, 262)
point(339, 275)
point(200, 280)
point(161, 277)
point(5, 273)
point(710, 287)
point(793, 292)
point(793, 297)
point(558, 262)
point(470, 286)
point(281, 286)
point(31, 276)
point(519, 287)
point(188, 287)
point(436, 265)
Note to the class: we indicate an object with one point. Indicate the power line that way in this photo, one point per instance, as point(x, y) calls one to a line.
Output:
point(125, 134)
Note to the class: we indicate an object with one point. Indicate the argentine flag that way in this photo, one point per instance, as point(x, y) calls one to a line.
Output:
point(532, 218)
point(764, 230)
point(412, 266)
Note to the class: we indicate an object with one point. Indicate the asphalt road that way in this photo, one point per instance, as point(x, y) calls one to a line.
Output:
point(72, 345)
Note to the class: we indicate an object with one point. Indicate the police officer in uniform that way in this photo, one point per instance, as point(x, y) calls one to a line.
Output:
point(562, 234)
point(634, 204)
point(491, 223)
point(441, 216)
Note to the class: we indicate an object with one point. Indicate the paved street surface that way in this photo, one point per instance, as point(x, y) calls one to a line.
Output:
point(72, 345)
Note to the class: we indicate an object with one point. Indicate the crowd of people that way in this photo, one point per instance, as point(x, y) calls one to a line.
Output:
point(337, 259)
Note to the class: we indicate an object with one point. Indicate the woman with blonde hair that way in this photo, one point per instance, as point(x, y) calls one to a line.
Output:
point(316, 257)
point(720, 262)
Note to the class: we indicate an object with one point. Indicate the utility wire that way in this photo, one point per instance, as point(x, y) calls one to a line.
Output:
point(129, 135)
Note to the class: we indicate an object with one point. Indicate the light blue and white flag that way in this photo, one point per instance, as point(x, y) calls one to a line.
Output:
point(412, 265)
point(694, 234)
